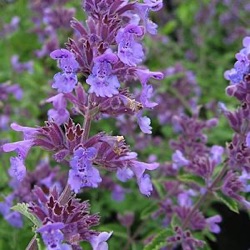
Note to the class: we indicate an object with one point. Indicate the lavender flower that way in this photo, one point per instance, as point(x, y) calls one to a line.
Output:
point(59, 114)
point(130, 52)
point(17, 169)
point(102, 81)
point(65, 82)
point(99, 242)
point(53, 237)
point(82, 173)
point(13, 217)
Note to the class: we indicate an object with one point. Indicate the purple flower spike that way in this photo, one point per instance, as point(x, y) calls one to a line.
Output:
point(130, 52)
point(53, 237)
point(17, 169)
point(212, 223)
point(99, 242)
point(66, 81)
point(83, 174)
point(102, 82)
point(59, 114)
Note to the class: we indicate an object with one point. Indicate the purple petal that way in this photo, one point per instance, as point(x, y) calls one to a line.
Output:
point(99, 242)
point(124, 174)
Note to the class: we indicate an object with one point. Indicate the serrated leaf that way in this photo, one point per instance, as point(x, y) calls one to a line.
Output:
point(189, 178)
point(147, 211)
point(229, 202)
point(160, 240)
point(23, 209)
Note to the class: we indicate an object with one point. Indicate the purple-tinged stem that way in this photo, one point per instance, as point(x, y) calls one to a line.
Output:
point(203, 197)
point(32, 245)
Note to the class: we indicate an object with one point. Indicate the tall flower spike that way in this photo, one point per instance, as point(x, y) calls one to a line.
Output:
point(102, 81)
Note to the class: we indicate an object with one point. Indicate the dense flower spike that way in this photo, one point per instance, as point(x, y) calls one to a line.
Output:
point(107, 50)
point(70, 222)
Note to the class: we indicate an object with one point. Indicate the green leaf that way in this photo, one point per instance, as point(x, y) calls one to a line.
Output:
point(160, 240)
point(147, 211)
point(229, 202)
point(118, 230)
point(159, 188)
point(189, 178)
point(23, 209)
point(169, 27)
point(175, 221)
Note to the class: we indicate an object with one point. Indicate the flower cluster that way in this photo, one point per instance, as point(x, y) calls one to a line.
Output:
point(107, 51)
point(68, 222)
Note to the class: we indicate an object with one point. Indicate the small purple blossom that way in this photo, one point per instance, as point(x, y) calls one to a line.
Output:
point(179, 159)
point(143, 181)
point(242, 65)
point(99, 242)
point(82, 173)
point(17, 169)
point(147, 92)
point(144, 75)
point(53, 237)
point(124, 174)
point(66, 81)
point(144, 123)
point(212, 223)
point(59, 113)
point(102, 81)
point(14, 218)
point(130, 51)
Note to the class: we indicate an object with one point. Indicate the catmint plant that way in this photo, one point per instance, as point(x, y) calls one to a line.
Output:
point(106, 51)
